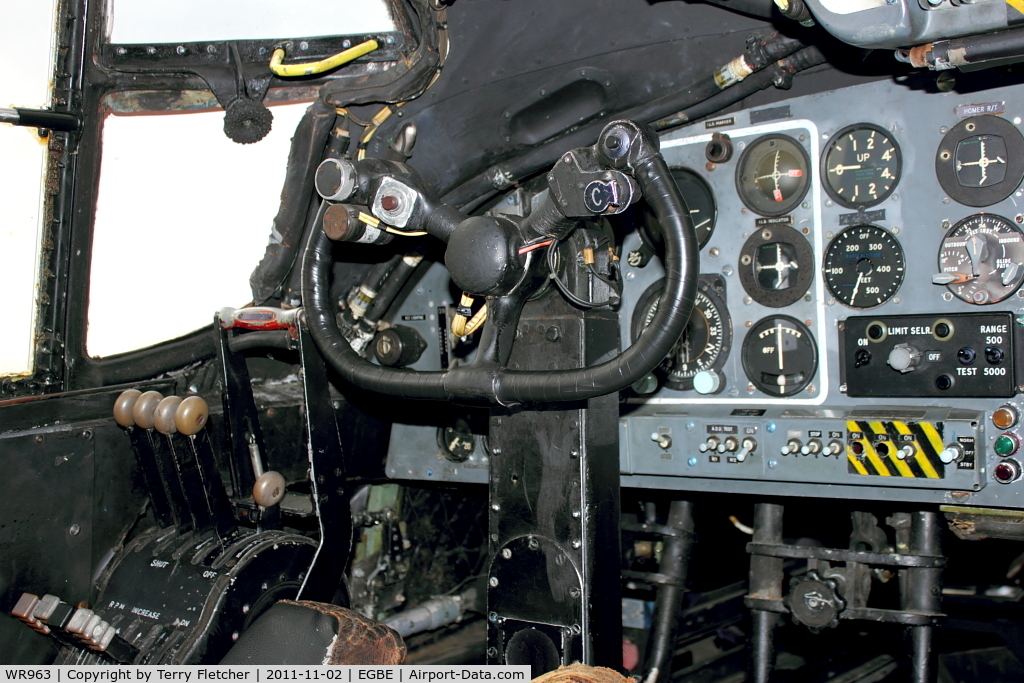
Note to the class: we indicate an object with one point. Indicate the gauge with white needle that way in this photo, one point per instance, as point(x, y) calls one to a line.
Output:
point(780, 356)
point(700, 201)
point(864, 266)
point(773, 175)
point(861, 165)
point(981, 259)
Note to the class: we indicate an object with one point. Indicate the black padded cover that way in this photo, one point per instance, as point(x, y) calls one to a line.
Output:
point(306, 632)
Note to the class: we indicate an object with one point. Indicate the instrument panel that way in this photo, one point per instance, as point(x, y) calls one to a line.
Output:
point(856, 331)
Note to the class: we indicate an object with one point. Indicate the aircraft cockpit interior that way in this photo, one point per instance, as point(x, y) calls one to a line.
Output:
point(676, 337)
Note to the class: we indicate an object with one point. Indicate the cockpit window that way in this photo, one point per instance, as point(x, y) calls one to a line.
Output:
point(186, 21)
point(27, 32)
point(179, 225)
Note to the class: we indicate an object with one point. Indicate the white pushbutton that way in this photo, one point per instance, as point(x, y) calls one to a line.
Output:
point(707, 381)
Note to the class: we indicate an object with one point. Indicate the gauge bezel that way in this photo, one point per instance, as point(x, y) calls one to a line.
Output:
point(805, 275)
point(791, 203)
point(948, 234)
point(752, 335)
point(945, 169)
point(711, 286)
point(653, 239)
point(828, 250)
point(834, 140)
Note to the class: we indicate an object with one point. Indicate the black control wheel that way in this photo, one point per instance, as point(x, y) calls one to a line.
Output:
point(494, 257)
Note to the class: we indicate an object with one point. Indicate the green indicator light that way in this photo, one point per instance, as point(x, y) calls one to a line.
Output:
point(1005, 445)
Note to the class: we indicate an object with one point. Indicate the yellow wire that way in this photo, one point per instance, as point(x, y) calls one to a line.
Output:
point(373, 222)
point(414, 233)
point(476, 321)
point(311, 68)
point(460, 327)
point(378, 119)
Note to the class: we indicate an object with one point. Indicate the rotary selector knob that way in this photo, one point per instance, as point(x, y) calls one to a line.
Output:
point(904, 358)
point(815, 601)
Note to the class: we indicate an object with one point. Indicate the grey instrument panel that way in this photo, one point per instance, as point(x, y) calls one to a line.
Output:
point(665, 434)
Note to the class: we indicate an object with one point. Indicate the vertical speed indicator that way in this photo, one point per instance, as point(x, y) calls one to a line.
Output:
point(864, 266)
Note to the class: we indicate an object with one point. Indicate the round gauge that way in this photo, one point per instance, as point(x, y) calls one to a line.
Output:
point(700, 200)
point(864, 266)
point(776, 266)
point(704, 344)
point(773, 175)
point(980, 161)
point(981, 259)
point(861, 165)
point(780, 356)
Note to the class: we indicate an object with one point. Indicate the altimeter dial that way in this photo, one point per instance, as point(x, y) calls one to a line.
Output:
point(864, 266)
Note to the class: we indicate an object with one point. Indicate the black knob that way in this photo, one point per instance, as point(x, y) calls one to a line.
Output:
point(398, 346)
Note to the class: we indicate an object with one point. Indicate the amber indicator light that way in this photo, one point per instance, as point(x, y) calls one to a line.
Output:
point(1005, 417)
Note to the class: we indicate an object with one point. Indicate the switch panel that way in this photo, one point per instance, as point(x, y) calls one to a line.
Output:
point(949, 355)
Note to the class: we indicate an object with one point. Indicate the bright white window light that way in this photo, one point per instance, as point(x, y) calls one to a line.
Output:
point(187, 21)
point(26, 31)
point(182, 218)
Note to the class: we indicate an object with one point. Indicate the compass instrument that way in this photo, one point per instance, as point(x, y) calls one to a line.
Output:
point(980, 160)
point(864, 266)
point(705, 342)
point(780, 356)
point(861, 165)
point(776, 266)
point(981, 260)
point(773, 175)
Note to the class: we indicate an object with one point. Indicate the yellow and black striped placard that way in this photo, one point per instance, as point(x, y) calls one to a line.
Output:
point(879, 442)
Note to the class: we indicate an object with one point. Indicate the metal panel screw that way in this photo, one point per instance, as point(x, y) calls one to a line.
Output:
point(493, 581)
point(74, 530)
point(576, 545)
point(506, 553)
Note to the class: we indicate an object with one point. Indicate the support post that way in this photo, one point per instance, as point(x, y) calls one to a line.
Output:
point(921, 591)
point(765, 582)
point(554, 592)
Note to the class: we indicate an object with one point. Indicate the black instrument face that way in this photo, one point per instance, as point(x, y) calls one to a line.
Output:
point(980, 161)
point(861, 165)
point(776, 266)
point(704, 344)
point(700, 200)
point(773, 175)
point(864, 266)
point(981, 260)
point(780, 356)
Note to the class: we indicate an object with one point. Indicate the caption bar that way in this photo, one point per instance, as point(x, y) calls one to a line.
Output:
point(404, 673)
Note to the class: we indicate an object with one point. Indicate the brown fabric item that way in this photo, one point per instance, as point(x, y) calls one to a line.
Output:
point(359, 640)
point(581, 673)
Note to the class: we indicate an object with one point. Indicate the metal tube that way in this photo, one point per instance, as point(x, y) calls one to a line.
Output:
point(765, 582)
point(675, 563)
point(920, 591)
